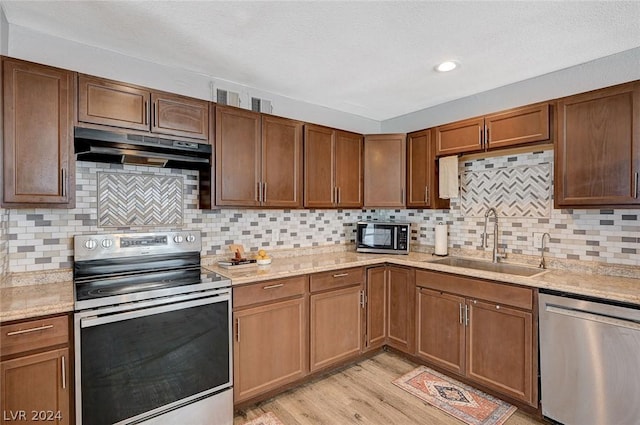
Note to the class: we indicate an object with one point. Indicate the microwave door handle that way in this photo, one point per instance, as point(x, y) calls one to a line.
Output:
point(395, 237)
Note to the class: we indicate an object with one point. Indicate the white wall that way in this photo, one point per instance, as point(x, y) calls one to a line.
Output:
point(4, 33)
point(603, 72)
point(29, 45)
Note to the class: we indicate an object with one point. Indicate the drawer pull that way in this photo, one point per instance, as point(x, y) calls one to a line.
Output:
point(26, 331)
point(341, 275)
point(279, 285)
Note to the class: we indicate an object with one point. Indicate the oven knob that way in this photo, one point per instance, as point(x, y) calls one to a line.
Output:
point(178, 238)
point(107, 243)
point(191, 238)
point(91, 244)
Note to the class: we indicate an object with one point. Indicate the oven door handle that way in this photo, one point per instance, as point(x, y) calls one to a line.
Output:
point(87, 322)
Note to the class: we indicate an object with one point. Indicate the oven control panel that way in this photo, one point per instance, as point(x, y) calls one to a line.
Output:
point(89, 247)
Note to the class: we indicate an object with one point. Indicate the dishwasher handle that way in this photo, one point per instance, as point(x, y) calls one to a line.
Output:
point(594, 317)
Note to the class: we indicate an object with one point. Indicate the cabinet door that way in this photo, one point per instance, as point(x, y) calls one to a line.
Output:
point(40, 383)
point(281, 162)
point(384, 170)
point(418, 169)
point(348, 169)
point(319, 166)
point(515, 127)
point(401, 309)
point(376, 331)
point(180, 116)
point(336, 326)
point(441, 329)
point(460, 137)
point(38, 149)
point(110, 103)
point(270, 347)
point(422, 172)
point(500, 349)
point(597, 151)
point(237, 157)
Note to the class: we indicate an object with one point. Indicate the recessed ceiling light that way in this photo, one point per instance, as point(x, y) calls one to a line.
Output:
point(446, 66)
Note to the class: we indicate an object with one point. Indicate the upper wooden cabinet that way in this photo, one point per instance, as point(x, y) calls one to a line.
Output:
point(258, 159)
point(422, 172)
point(111, 103)
point(385, 170)
point(333, 168)
point(518, 126)
point(38, 164)
point(597, 150)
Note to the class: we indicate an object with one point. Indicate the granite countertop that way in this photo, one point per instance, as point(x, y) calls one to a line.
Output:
point(23, 302)
point(624, 289)
point(56, 295)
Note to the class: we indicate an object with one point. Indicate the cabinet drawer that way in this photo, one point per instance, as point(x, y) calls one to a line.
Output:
point(34, 334)
point(336, 279)
point(512, 295)
point(269, 291)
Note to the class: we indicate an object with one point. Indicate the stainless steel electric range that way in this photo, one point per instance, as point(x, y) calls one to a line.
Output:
point(152, 332)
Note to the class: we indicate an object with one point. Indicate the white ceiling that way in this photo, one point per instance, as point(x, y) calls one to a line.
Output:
point(373, 59)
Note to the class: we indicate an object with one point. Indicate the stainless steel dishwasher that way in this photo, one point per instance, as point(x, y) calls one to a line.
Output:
point(589, 360)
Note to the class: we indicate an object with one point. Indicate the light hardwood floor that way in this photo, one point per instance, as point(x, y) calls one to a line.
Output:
point(359, 394)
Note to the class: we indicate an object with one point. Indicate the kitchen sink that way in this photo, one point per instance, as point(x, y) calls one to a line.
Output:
point(488, 266)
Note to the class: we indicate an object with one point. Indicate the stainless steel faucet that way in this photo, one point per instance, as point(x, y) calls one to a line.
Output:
point(543, 265)
point(485, 243)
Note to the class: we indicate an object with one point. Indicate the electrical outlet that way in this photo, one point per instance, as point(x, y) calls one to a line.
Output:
point(537, 239)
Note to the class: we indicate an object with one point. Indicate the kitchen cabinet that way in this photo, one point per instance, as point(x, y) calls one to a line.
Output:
point(333, 168)
point(270, 346)
point(38, 163)
point(441, 329)
point(384, 170)
point(529, 124)
point(111, 103)
point(376, 308)
point(35, 371)
point(597, 149)
point(480, 330)
point(422, 172)
point(336, 316)
point(258, 159)
point(401, 308)
point(390, 308)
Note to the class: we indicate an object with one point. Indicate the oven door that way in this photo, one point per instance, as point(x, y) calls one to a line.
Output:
point(133, 365)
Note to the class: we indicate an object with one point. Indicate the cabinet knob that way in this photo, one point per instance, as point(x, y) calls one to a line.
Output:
point(497, 307)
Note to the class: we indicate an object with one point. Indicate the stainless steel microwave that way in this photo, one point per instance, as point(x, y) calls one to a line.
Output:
point(383, 237)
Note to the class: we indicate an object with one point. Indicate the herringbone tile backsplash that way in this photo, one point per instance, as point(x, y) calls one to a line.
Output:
point(41, 239)
point(126, 199)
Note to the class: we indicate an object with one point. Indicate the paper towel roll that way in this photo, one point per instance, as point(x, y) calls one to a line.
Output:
point(441, 239)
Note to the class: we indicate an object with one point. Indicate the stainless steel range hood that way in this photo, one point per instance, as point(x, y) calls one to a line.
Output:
point(107, 146)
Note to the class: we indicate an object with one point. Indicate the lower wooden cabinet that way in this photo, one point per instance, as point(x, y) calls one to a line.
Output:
point(500, 349)
point(270, 340)
point(376, 301)
point(441, 331)
point(336, 316)
point(35, 372)
point(390, 307)
point(481, 330)
point(401, 309)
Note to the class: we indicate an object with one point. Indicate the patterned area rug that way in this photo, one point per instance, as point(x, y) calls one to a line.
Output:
point(267, 419)
point(455, 398)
